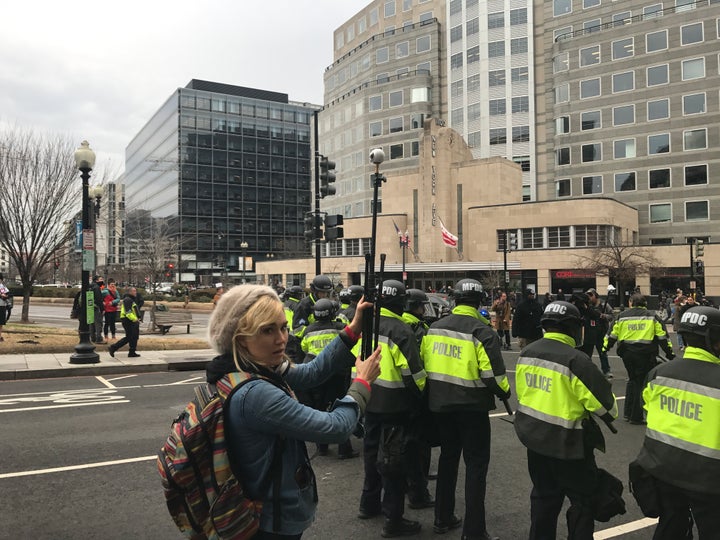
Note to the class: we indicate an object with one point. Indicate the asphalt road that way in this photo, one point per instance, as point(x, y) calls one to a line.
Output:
point(78, 461)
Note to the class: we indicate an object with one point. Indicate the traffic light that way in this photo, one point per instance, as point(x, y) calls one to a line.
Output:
point(699, 248)
point(699, 268)
point(333, 228)
point(169, 269)
point(313, 224)
point(327, 177)
point(512, 241)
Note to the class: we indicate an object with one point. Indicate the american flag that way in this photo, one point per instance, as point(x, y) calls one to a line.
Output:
point(448, 238)
point(404, 237)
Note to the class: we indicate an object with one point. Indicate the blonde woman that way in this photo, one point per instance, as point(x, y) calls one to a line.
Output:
point(266, 426)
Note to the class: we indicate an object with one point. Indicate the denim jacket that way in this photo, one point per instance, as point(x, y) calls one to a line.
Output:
point(260, 412)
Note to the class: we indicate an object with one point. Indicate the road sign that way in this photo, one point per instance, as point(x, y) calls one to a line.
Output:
point(88, 239)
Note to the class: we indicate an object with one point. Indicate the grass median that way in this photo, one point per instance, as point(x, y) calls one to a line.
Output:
point(36, 339)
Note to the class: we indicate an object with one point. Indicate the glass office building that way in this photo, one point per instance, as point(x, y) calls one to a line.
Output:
point(224, 166)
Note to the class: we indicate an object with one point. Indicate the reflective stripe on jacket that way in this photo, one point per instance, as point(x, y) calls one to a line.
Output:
point(557, 387)
point(682, 440)
point(402, 378)
point(638, 331)
point(319, 335)
point(463, 361)
point(129, 309)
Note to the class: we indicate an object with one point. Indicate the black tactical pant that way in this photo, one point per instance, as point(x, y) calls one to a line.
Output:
point(637, 366)
point(554, 479)
point(132, 335)
point(675, 506)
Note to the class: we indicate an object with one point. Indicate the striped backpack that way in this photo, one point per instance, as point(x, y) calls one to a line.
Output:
point(205, 499)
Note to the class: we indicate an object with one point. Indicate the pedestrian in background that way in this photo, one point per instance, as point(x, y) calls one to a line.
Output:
point(96, 333)
point(4, 296)
point(111, 300)
point(598, 317)
point(502, 310)
point(130, 320)
point(526, 321)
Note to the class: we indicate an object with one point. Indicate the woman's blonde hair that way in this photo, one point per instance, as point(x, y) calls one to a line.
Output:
point(264, 312)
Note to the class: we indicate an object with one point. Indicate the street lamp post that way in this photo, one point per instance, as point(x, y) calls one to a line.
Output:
point(95, 194)
point(84, 351)
point(243, 248)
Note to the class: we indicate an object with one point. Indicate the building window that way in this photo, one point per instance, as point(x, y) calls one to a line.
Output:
point(590, 3)
point(419, 95)
point(656, 41)
point(473, 54)
point(456, 89)
point(496, 20)
point(523, 161)
point(590, 56)
point(558, 237)
point(497, 107)
point(472, 27)
point(456, 117)
point(624, 17)
point(519, 74)
point(382, 55)
point(623, 82)
point(625, 181)
point(591, 152)
point(660, 213)
point(658, 109)
point(455, 7)
point(375, 129)
point(590, 120)
point(694, 104)
point(657, 75)
point(496, 77)
point(474, 139)
point(592, 185)
point(520, 104)
point(562, 125)
point(473, 112)
point(696, 175)
point(561, 62)
point(374, 103)
point(696, 211)
point(402, 49)
point(422, 44)
point(561, 7)
point(693, 69)
point(519, 45)
point(417, 120)
point(518, 16)
point(623, 48)
point(521, 134)
point(562, 93)
point(562, 156)
point(415, 148)
point(562, 188)
point(396, 151)
point(658, 178)
point(691, 33)
point(659, 144)
point(498, 136)
point(661, 241)
point(456, 61)
point(496, 49)
point(590, 88)
point(624, 148)
point(562, 33)
point(695, 139)
point(653, 10)
point(473, 83)
point(456, 33)
point(592, 25)
point(390, 9)
point(396, 124)
point(396, 98)
point(623, 115)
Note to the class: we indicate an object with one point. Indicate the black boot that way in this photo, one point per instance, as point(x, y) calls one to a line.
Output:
point(400, 527)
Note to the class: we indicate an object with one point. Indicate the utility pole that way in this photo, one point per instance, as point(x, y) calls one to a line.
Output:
point(317, 189)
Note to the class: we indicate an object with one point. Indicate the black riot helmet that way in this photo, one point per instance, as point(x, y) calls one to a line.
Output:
point(565, 317)
point(321, 283)
point(392, 296)
point(468, 292)
point(414, 298)
point(344, 296)
point(356, 292)
point(701, 321)
point(296, 291)
point(324, 310)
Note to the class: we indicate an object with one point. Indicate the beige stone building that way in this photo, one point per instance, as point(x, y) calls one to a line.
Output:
point(475, 200)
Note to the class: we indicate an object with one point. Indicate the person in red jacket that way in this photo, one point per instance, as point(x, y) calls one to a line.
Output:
point(111, 299)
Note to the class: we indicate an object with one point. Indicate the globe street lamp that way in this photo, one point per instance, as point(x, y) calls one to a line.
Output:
point(85, 351)
point(243, 247)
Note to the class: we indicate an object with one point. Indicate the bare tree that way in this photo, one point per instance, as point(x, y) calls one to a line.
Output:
point(619, 261)
point(40, 188)
point(492, 279)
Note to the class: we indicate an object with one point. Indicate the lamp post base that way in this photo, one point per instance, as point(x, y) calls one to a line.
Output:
point(84, 354)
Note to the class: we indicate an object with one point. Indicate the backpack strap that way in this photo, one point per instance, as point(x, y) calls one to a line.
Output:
point(226, 388)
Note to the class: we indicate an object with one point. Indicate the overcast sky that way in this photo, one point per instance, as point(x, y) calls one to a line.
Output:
point(98, 70)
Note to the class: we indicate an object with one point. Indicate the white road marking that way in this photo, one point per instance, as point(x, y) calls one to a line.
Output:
point(121, 377)
point(45, 407)
point(76, 467)
point(625, 528)
point(104, 381)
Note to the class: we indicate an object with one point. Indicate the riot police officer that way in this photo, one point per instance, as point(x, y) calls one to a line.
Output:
point(558, 388)
point(320, 287)
point(681, 450)
point(355, 294)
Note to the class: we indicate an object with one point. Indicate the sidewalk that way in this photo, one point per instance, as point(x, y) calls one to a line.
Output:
point(41, 366)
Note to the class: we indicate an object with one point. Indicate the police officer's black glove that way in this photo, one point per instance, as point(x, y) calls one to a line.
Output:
point(504, 396)
point(670, 356)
